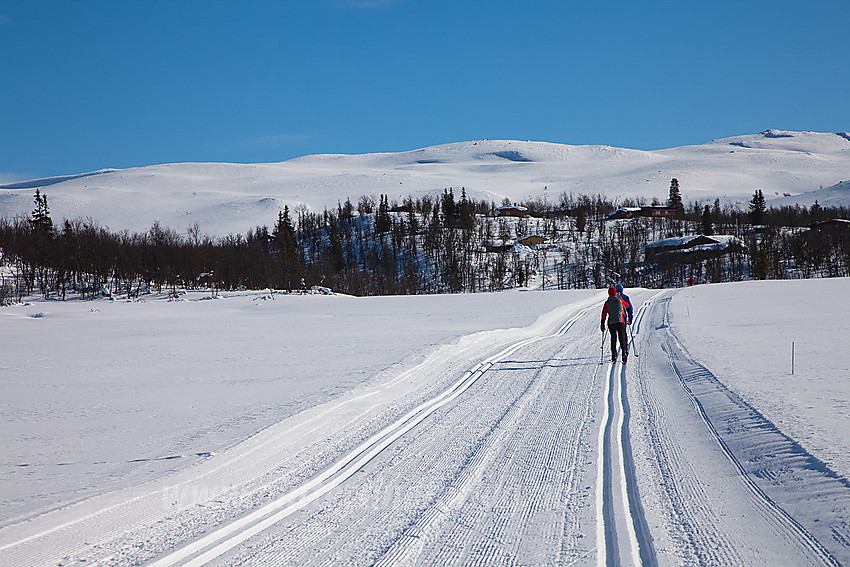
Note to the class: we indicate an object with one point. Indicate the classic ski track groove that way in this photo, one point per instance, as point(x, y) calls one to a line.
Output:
point(106, 524)
point(509, 440)
point(477, 530)
point(616, 476)
point(91, 529)
point(495, 493)
point(696, 539)
point(220, 541)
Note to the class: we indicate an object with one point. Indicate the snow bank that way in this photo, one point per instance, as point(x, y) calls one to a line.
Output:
point(743, 332)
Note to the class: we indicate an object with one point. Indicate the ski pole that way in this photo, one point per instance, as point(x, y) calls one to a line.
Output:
point(631, 342)
point(602, 348)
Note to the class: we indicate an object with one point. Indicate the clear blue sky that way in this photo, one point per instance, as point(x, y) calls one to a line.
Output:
point(93, 84)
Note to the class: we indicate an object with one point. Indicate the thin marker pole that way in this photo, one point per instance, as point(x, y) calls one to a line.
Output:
point(792, 358)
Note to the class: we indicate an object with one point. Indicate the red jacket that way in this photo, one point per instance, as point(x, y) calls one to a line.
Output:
point(617, 309)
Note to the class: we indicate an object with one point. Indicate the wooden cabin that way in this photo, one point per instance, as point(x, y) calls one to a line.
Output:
point(512, 211)
point(532, 240)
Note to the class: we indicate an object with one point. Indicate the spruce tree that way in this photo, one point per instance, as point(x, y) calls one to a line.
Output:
point(467, 219)
point(581, 219)
point(40, 219)
point(412, 221)
point(716, 213)
point(287, 249)
point(762, 267)
point(757, 208)
point(449, 207)
point(674, 200)
point(383, 223)
point(816, 211)
point(707, 228)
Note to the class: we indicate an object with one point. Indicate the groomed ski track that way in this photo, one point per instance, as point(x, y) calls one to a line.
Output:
point(507, 448)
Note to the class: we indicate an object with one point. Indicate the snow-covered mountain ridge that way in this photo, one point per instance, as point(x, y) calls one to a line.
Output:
point(228, 198)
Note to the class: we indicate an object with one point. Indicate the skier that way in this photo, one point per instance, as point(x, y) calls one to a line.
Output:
point(624, 297)
point(615, 309)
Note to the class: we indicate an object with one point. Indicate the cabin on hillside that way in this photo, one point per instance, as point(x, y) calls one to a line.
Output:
point(831, 224)
point(624, 213)
point(512, 211)
point(657, 211)
point(533, 240)
point(692, 248)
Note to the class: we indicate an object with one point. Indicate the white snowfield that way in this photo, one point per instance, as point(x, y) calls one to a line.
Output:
point(428, 430)
point(227, 198)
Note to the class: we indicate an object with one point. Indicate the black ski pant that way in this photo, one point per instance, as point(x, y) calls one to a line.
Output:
point(618, 330)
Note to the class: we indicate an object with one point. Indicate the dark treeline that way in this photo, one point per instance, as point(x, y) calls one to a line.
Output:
point(84, 258)
point(444, 244)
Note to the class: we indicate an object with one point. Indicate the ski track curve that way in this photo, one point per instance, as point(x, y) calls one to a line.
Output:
point(516, 448)
point(471, 479)
point(124, 528)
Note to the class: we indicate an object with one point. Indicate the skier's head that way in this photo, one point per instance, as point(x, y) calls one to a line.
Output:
point(612, 292)
point(619, 288)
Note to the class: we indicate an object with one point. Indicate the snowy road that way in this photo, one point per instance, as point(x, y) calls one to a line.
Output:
point(505, 448)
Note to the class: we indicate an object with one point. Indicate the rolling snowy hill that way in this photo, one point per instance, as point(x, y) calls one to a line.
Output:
point(226, 198)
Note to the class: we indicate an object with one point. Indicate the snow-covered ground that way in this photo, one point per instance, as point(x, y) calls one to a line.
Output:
point(225, 198)
point(456, 429)
point(745, 332)
point(96, 391)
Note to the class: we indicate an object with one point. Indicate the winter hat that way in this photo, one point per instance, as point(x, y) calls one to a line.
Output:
point(612, 292)
point(619, 288)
